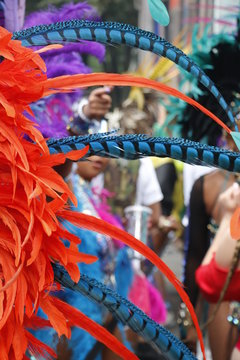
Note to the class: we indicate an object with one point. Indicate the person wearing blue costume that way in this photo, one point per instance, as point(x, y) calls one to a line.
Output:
point(81, 343)
point(57, 116)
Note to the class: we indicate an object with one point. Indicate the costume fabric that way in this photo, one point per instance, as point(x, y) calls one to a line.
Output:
point(82, 342)
point(238, 344)
point(211, 278)
point(148, 190)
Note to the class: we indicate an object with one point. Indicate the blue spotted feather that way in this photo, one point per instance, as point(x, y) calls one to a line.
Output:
point(128, 314)
point(118, 33)
point(137, 146)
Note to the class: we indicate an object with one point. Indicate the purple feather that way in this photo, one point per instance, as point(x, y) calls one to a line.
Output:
point(52, 115)
point(62, 67)
point(21, 12)
point(2, 23)
point(67, 12)
point(83, 47)
point(14, 12)
point(54, 112)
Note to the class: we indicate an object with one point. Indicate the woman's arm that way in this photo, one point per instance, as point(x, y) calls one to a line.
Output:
point(223, 244)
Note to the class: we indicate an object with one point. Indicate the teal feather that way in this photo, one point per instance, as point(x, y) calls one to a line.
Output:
point(159, 12)
point(236, 137)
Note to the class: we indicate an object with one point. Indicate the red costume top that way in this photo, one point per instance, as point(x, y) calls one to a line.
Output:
point(211, 279)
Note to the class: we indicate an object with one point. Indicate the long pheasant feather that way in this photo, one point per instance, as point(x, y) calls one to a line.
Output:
point(94, 224)
point(127, 313)
point(138, 146)
point(117, 33)
point(77, 318)
point(82, 80)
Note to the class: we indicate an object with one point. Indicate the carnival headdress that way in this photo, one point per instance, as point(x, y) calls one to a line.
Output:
point(219, 56)
point(54, 113)
point(32, 253)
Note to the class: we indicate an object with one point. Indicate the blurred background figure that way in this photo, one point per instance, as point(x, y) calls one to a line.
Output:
point(219, 57)
point(220, 261)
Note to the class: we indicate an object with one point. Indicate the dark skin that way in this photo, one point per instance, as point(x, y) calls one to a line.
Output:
point(223, 246)
point(91, 168)
point(99, 103)
point(214, 184)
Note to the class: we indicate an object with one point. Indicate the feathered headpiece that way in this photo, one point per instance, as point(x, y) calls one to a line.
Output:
point(53, 113)
point(140, 112)
point(219, 56)
point(32, 252)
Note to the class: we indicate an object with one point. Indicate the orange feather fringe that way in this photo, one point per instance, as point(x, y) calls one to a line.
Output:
point(30, 230)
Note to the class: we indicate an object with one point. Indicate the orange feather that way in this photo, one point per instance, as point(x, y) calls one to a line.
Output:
point(38, 349)
point(98, 332)
point(235, 224)
point(55, 316)
point(94, 224)
point(83, 80)
point(27, 178)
